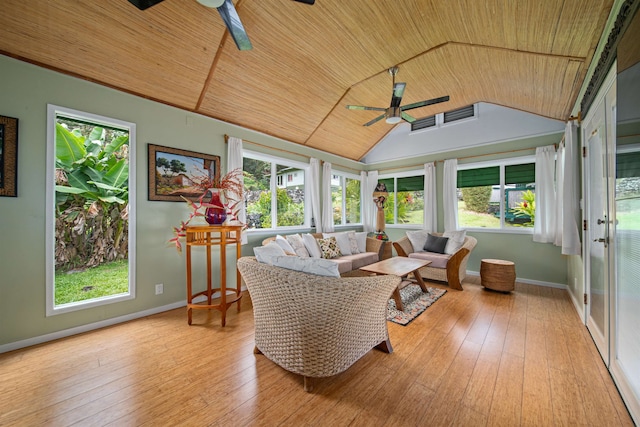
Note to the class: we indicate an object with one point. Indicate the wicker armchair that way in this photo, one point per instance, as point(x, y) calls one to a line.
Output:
point(456, 269)
point(316, 326)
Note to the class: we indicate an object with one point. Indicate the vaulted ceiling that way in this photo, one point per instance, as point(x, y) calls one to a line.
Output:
point(309, 62)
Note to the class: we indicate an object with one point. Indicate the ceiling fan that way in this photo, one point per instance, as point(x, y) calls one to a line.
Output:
point(228, 13)
point(395, 112)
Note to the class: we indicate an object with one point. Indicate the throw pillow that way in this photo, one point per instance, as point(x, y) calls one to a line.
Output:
point(311, 244)
point(435, 244)
point(343, 241)
point(353, 242)
point(418, 239)
point(361, 237)
point(456, 240)
point(329, 248)
point(265, 254)
point(318, 266)
point(296, 242)
point(284, 244)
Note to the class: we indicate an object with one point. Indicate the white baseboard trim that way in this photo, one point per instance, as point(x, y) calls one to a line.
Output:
point(529, 281)
point(89, 327)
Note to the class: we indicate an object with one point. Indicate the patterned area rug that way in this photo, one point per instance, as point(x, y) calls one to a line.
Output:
point(415, 302)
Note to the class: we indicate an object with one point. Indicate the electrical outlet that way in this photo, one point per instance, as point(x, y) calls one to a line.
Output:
point(159, 288)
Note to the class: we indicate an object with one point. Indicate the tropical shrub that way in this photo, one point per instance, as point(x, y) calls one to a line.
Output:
point(476, 199)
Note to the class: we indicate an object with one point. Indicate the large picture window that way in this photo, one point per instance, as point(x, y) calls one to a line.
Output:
point(405, 204)
point(497, 195)
point(91, 210)
point(265, 176)
point(345, 198)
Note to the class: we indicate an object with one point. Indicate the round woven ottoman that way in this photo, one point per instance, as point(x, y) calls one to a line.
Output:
point(498, 274)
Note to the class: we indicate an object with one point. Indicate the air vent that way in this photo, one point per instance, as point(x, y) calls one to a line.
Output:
point(459, 114)
point(423, 123)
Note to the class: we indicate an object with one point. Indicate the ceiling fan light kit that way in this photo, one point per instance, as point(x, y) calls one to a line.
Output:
point(396, 113)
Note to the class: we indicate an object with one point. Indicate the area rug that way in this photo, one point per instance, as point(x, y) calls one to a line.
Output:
point(415, 303)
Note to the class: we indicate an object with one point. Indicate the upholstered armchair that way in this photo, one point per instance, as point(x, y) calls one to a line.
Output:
point(445, 268)
point(316, 326)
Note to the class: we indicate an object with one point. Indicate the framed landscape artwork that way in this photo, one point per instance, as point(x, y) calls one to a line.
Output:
point(8, 156)
point(174, 173)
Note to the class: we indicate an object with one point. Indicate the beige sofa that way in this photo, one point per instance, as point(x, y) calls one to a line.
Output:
point(316, 326)
point(445, 268)
point(348, 265)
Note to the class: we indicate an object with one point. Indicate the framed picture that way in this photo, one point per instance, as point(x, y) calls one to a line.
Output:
point(8, 156)
point(174, 173)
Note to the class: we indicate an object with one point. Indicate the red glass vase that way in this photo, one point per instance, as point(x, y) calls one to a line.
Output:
point(215, 213)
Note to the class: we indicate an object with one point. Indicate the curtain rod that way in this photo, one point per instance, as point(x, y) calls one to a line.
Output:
point(226, 139)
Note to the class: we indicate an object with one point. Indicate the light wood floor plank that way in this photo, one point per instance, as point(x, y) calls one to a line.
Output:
point(474, 358)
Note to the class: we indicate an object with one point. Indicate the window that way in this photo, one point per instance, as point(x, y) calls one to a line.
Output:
point(345, 198)
point(405, 204)
point(91, 210)
point(443, 119)
point(264, 176)
point(497, 195)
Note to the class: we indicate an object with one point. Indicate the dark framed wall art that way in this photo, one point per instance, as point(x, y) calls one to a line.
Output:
point(8, 156)
point(174, 173)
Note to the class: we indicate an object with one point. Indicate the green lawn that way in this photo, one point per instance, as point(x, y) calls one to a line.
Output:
point(105, 280)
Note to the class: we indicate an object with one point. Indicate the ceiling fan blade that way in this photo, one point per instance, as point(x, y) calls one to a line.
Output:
point(398, 91)
point(407, 118)
point(306, 1)
point(361, 107)
point(144, 4)
point(234, 25)
point(425, 103)
point(377, 119)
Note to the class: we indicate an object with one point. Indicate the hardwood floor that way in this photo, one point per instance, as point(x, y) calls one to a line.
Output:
point(474, 358)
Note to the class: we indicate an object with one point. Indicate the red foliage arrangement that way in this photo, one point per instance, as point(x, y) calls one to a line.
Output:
point(233, 195)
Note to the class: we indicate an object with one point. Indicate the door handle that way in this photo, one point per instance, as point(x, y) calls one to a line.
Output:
point(601, 240)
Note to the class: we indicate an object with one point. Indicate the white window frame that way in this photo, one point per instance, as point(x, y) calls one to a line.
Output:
point(395, 176)
point(501, 163)
point(52, 112)
point(343, 177)
point(273, 186)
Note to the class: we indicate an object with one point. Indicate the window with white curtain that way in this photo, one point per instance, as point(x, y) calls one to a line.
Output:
point(405, 204)
point(265, 176)
point(345, 198)
point(498, 195)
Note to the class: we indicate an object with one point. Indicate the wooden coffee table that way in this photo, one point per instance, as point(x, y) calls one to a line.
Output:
point(400, 266)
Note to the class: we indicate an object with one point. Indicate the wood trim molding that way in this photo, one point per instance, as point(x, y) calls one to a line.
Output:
point(609, 53)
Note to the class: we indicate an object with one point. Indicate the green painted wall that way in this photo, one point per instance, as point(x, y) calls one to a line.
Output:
point(25, 92)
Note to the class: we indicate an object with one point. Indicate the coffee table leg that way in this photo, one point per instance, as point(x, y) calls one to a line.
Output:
point(421, 283)
point(398, 300)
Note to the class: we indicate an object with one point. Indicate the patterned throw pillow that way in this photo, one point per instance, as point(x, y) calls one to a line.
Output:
point(329, 248)
point(296, 242)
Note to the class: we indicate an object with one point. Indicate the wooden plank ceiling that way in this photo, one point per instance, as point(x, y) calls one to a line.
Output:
point(309, 62)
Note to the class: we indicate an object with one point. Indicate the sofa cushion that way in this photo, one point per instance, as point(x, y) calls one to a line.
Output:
point(360, 260)
point(437, 260)
point(312, 246)
point(418, 238)
point(456, 240)
point(266, 253)
point(329, 248)
point(317, 266)
point(284, 244)
point(296, 242)
point(435, 244)
point(353, 243)
point(344, 264)
point(361, 238)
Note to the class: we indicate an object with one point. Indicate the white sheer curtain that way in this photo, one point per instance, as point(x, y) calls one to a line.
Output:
point(545, 224)
point(234, 161)
point(368, 186)
point(450, 194)
point(570, 197)
point(314, 192)
point(557, 235)
point(327, 205)
point(430, 201)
